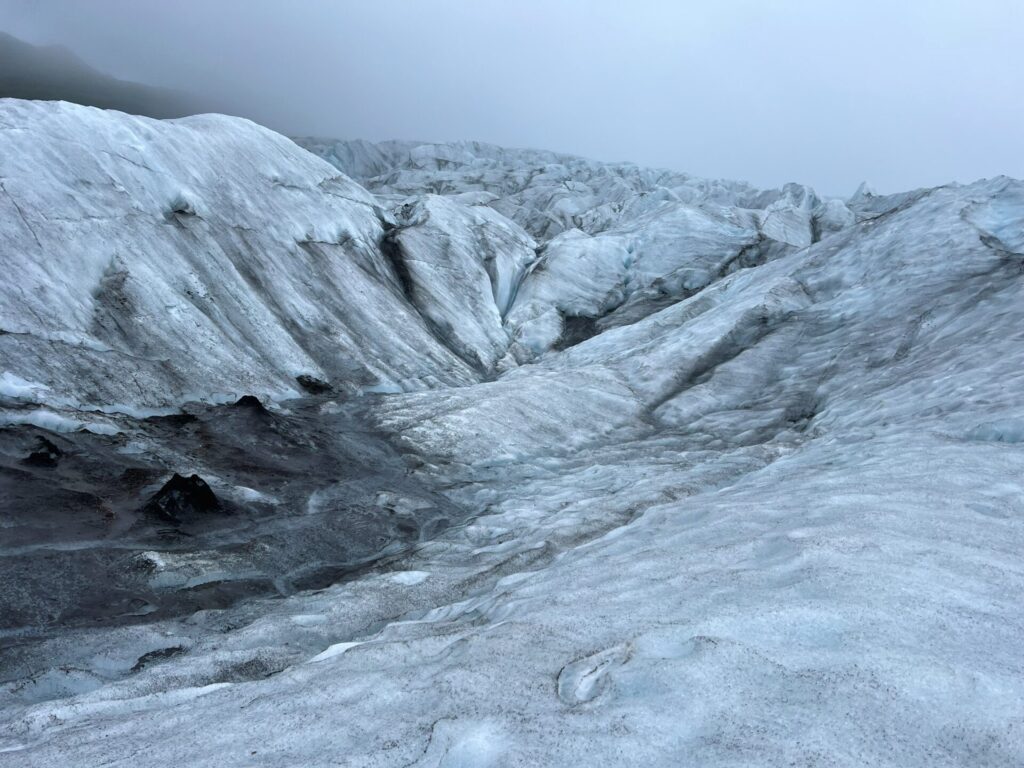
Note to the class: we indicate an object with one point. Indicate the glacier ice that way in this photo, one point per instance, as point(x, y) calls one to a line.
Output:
point(259, 260)
point(731, 476)
point(460, 267)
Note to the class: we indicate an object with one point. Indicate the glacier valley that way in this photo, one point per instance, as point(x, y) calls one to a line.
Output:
point(333, 453)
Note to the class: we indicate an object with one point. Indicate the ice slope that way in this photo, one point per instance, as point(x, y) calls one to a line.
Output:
point(617, 241)
point(461, 267)
point(896, 320)
point(584, 284)
point(773, 516)
point(149, 262)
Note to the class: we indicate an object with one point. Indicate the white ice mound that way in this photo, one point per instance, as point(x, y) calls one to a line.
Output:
point(150, 261)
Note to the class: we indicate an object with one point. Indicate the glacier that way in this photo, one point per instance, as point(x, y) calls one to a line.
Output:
point(552, 462)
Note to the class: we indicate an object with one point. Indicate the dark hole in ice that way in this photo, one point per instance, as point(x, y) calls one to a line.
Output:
point(181, 206)
point(46, 454)
point(181, 498)
point(576, 328)
point(393, 251)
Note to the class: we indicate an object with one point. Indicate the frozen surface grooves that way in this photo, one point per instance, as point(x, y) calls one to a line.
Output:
point(757, 498)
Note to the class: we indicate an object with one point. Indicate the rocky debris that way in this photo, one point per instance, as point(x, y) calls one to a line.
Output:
point(71, 532)
point(313, 385)
point(158, 655)
point(250, 402)
point(182, 498)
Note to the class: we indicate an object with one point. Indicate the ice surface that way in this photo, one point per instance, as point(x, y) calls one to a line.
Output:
point(159, 261)
point(55, 422)
point(16, 387)
point(461, 267)
point(747, 489)
point(615, 236)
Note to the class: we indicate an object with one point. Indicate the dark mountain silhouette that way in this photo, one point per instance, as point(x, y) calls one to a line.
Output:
point(53, 73)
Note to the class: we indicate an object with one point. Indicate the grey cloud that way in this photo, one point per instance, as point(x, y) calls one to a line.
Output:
point(827, 93)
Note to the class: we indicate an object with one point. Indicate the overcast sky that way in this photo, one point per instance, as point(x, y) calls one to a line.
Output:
point(902, 93)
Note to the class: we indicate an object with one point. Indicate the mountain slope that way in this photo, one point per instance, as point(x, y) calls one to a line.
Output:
point(53, 73)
